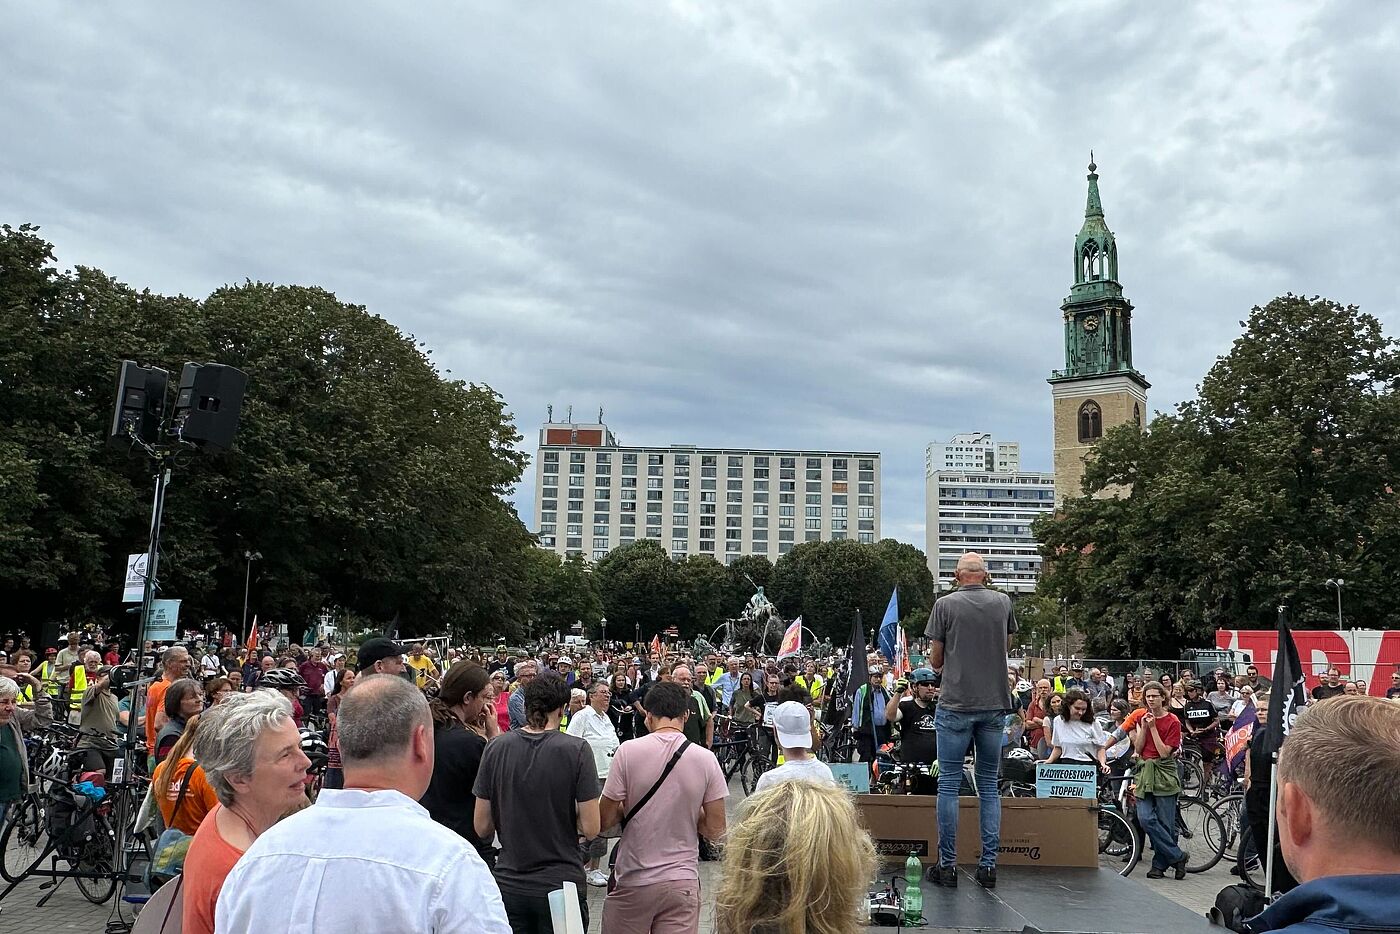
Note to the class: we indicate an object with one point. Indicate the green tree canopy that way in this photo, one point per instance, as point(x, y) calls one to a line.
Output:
point(642, 590)
point(1280, 475)
point(365, 479)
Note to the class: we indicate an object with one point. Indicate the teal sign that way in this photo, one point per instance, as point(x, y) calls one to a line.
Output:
point(1066, 780)
point(165, 615)
point(854, 777)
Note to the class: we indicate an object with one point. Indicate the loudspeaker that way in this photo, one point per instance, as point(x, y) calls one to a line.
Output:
point(140, 407)
point(208, 403)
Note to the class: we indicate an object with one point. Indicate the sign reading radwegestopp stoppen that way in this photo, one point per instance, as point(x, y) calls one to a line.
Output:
point(1065, 780)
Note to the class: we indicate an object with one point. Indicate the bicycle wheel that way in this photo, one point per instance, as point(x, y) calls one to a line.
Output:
point(1231, 811)
point(1193, 773)
point(1200, 833)
point(1120, 844)
point(98, 862)
point(24, 839)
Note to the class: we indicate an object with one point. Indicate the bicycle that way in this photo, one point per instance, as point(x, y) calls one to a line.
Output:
point(738, 755)
point(1200, 831)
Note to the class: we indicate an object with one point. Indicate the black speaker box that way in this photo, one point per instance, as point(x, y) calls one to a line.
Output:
point(208, 404)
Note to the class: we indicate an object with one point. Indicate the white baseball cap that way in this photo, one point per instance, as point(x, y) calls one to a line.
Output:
point(794, 725)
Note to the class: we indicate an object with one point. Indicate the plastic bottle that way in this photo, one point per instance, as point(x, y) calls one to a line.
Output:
point(913, 894)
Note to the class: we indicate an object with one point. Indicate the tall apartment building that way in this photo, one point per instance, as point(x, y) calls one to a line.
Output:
point(991, 514)
point(974, 450)
point(592, 495)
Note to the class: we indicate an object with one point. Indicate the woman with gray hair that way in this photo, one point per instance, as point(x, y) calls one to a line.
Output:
point(14, 720)
point(250, 751)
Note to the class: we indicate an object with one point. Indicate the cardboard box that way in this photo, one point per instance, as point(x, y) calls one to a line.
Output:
point(1034, 831)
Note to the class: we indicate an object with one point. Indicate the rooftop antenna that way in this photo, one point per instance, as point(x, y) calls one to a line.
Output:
point(600, 415)
point(571, 415)
point(549, 409)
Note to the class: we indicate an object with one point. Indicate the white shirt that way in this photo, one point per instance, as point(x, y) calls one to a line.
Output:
point(210, 664)
point(596, 729)
point(1079, 740)
point(370, 861)
point(794, 770)
point(328, 682)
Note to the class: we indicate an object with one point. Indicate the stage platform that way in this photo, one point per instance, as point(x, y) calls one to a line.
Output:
point(1053, 901)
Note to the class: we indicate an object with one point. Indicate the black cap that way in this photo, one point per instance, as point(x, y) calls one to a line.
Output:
point(372, 650)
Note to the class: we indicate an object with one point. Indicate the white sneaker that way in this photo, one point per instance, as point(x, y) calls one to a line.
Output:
point(596, 877)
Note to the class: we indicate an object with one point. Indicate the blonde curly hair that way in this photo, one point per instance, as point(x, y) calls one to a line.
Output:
point(797, 862)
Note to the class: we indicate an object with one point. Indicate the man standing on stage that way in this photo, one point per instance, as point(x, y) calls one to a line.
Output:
point(970, 634)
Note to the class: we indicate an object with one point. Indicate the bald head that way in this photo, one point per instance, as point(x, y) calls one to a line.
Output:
point(972, 569)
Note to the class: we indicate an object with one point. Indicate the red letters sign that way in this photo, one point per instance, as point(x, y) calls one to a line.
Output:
point(1368, 655)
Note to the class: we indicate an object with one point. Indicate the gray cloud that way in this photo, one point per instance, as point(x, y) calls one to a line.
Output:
point(787, 224)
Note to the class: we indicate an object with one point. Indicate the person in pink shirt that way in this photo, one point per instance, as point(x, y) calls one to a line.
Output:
point(666, 792)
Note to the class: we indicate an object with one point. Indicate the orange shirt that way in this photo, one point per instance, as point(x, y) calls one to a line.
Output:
point(155, 700)
point(207, 864)
point(199, 797)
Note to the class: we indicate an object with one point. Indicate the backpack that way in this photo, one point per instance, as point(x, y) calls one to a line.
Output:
point(168, 854)
point(1235, 905)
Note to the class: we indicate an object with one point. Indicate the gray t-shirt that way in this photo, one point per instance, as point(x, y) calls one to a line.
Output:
point(533, 781)
point(972, 623)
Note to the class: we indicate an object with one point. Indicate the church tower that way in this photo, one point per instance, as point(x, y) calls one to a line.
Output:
point(1098, 388)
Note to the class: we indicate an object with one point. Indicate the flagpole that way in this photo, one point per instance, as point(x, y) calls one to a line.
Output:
point(1273, 830)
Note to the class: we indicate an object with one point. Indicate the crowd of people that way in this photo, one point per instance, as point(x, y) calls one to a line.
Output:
point(461, 788)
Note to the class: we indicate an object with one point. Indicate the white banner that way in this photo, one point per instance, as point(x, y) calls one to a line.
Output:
point(134, 589)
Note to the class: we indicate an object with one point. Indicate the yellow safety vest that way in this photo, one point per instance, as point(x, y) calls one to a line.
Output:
point(79, 682)
point(46, 676)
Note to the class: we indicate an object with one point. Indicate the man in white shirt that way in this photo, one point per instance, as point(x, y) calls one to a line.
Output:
point(593, 726)
point(367, 857)
point(793, 724)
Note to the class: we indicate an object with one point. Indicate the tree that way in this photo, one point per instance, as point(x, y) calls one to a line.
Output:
point(826, 582)
point(1276, 478)
point(705, 584)
point(365, 479)
point(642, 590)
point(562, 592)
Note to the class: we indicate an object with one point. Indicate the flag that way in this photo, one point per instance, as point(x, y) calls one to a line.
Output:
point(901, 660)
point(1238, 736)
point(656, 644)
point(889, 630)
point(253, 636)
point(856, 671)
point(792, 640)
point(1287, 697)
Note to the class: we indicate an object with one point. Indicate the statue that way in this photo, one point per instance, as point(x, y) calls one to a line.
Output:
point(750, 631)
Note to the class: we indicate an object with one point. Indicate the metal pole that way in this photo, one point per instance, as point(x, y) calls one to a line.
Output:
point(247, 582)
point(1273, 820)
point(1339, 606)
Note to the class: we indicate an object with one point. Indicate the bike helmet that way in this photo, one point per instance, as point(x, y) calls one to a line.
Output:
point(315, 748)
point(924, 676)
point(281, 678)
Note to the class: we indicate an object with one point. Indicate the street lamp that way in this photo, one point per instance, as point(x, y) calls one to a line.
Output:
point(603, 621)
point(1338, 583)
point(250, 557)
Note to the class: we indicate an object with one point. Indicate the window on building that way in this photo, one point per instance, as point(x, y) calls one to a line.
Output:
point(814, 524)
point(1090, 422)
point(576, 457)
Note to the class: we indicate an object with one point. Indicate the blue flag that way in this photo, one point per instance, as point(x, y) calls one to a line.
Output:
point(889, 629)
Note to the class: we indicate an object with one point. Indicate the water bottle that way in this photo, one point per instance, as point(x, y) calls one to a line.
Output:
point(913, 895)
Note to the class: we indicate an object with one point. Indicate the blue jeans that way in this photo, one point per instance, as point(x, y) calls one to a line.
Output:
point(958, 731)
point(1157, 815)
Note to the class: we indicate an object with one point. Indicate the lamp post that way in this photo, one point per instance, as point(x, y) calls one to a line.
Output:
point(250, 557)
point(603, 621)
point(1338, 583)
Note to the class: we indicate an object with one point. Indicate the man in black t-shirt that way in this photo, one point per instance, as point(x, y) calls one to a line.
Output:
point(914, 712)
point(1331, 686)
point(1201, 721)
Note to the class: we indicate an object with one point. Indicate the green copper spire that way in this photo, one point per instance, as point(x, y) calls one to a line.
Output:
point(1095, 252)
point(1093, 208)
point(1097, 318)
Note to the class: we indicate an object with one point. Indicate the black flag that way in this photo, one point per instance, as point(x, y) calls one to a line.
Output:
point(856, 671)
point(1287, 697)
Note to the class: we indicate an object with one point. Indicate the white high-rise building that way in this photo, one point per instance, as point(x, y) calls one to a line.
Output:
point(975, 507)
point(974, 450)
point(592, 495)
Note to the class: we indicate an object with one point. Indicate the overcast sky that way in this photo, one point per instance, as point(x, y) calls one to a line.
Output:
point(797, 224)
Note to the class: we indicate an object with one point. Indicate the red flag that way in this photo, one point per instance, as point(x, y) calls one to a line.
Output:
point(253, 636)
point(656, 644)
